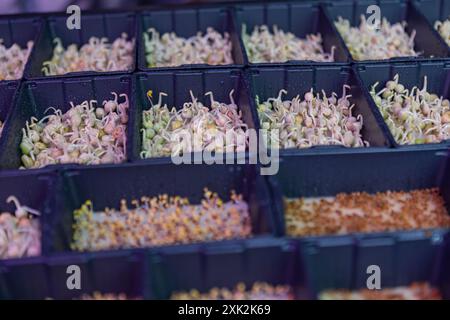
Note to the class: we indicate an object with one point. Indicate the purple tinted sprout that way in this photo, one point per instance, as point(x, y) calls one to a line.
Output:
point(367, 43)
point(13, 60)
point(313, 120)
point(443, 27)
point(280, 46)
point(194, 128)
point(20, 234)
point(96, 55)
point(86, 134)
point(414, 116)
point(2, 124)
point(169, 50)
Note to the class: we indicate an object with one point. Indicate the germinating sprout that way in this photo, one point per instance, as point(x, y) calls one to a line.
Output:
point(169, 50)
point(13, 60)
point(20, 234)
point(86, 134)
point(96, 55)
point(258, 291)
point(415, 291)
point(443, 27)
point(413, 116)
point(160, 220)
point(279, 46)
point(194, 128)
point(107, 296)
point(367, 43)
point(2, 124)
point(362, 212)
point(313, 120)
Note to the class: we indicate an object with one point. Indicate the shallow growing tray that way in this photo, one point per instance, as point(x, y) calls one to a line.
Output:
point(177, 85)
point(434, 10)
point(32, 190)
point(321, 175)
point(272, 261)
point(20, 30)
point(403, 259)
point(47, 277)
point(426, 40)
point(109, 25)
point(299, 18)
point(35, 97)
point(106, 186)
point(187, 22)
point(267, 82)
point(411, 74)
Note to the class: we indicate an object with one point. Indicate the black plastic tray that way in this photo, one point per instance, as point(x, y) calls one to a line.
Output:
point(402, 259)
point(426, 40)
point(32, 190)
point(317, 175)
point(47, 277)
point(299, 18)
point(434, 10)
point(271, 261)
point(20, 29)
point(411, 74)
point(107, 185)
point(35, 97)
point(110, 25)
point(267, 82)
point(186, 22)
point(176, 84)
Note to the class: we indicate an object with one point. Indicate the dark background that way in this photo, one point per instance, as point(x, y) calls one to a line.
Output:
point(27, 6)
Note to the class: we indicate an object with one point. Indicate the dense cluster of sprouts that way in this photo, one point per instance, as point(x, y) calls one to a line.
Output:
point(415, 291)
point(443, 27)
point(193, 128)
point(169, 50)
point(86, 134)
point(280, 46)
point(369, 43)
point(13, 60)
point(362, 212)
point(258, 291)
point(413, 116)
point(106, 296)
point(313, 120)
point(20, 234)
point(96, 55)
point(161, 220)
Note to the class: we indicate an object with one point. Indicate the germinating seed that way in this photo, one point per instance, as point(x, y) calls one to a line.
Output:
point(20, 234)
point(362, 212)
point(258, 291)
point(169, 50)
point(86, 134)
point(367, 43)
point(1, 127)
point(313, 120)
point(443, 27)
point(415, 291)
point(413, 116)
point(279, 46)
point(96, 55)
point(194, 127)
point(13, 60)
point(160, 220)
